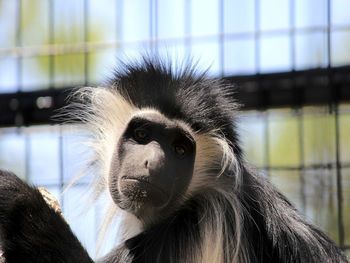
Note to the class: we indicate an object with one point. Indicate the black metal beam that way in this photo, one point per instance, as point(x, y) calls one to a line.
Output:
point(262, 91)
point(293, 89)
point(28, 108)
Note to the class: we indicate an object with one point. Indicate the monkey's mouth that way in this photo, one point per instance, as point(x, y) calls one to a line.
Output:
point(142, 191)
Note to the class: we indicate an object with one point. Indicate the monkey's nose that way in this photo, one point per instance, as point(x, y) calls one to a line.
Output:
point(154, 165)
point(154, 158)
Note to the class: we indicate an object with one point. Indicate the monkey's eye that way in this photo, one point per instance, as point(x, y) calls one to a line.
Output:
point(179, 150)
point(140, 134)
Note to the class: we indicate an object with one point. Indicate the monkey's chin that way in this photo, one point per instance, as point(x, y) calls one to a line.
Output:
point(142, 194)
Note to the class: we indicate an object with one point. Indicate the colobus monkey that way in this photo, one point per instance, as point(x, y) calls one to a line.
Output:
point(166, 146)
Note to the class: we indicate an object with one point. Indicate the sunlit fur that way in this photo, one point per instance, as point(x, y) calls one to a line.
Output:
point(241, 216)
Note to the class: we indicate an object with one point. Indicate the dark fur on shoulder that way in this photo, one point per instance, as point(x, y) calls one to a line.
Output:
point(31, 231)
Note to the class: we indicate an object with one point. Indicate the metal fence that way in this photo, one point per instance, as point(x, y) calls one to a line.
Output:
point(289, 60)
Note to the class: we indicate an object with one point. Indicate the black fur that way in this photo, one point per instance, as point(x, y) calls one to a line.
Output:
point(205, 104)
point(33, 232)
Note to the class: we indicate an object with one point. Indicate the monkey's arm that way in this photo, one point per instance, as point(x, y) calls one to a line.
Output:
point(30, 230)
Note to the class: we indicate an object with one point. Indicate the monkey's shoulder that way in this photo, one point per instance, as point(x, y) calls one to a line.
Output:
point(16, 196)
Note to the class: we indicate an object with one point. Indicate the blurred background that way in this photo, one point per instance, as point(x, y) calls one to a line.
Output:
point(290, 60)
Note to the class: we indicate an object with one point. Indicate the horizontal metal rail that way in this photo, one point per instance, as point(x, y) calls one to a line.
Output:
point(259, 92)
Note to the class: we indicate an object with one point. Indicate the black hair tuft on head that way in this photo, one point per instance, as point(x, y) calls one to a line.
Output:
point(207, 104)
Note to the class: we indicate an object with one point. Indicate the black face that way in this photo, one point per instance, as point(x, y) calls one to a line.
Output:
point(152, 165)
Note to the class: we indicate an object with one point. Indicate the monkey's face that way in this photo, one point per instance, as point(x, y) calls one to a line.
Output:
point(152, 165)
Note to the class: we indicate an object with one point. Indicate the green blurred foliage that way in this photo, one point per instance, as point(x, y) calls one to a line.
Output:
point(281, 131)
point(319, 138)
point(69, 68)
